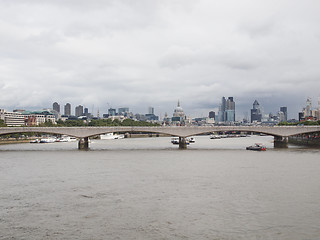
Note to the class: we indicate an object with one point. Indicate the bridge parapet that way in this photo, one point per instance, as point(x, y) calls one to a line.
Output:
point(180, 131)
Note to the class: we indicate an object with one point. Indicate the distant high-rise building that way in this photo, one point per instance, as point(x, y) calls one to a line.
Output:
point(227, 110)
point(256, 114)
point(150, 110)
point(112, 112)
point(308, 110)
point(230, 110)
point(56, 107)
point(67, 109)
point(301, 116)
point(79, 111)
point(285, 112)
point(212, 114)
point(123, 111)
point(222, 110)
point(281, 116)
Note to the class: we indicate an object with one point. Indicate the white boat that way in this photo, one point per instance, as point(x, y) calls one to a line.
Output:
point(35, 141)
point(66, 139)
point(175, 140)
point(109, 136)
point(47, 140)
point(215, 137)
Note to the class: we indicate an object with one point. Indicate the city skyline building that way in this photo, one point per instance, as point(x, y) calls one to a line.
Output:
point(123, 111)
point(67, 109)
point(150, 110)
point(79, 111)
point(227, 109)
point(285, 112)
point(112, 112)
point(308, 109)
point(56, 107)
point(178, 115)
point(256, 114)
point(212, 114)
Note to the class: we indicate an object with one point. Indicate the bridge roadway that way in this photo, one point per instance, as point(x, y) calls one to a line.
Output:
point(280, 133)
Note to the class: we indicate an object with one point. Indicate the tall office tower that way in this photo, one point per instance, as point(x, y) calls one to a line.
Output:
point(150, 110)
point(212, 114)
point(67, 109)
point(285, 112)
point(222, 110)
point(79, 111)
point(227, 110)
point(308, 110)
point(56, 107)
point(256, 114)
point(230, 110)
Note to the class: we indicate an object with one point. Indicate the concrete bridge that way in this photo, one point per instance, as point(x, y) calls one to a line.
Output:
point(280, 133)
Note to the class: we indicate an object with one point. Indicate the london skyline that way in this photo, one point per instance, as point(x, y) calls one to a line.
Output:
point(152, 53)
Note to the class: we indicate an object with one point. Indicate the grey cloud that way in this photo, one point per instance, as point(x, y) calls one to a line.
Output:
point(145, 52)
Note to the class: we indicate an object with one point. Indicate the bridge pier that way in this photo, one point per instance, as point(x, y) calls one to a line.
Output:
point(182, 143)
point(83, 143)
point(280, 142)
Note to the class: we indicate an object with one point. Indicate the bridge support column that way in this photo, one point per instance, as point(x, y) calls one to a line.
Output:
point(83, 143)
point(280, 142)
point(182, 143)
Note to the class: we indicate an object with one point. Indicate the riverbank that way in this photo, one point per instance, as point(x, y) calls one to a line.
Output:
point(14, 141)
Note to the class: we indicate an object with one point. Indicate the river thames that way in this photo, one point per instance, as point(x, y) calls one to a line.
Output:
point(146, 188)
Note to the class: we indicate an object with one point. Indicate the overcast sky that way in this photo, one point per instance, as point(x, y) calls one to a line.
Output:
point(140, 53)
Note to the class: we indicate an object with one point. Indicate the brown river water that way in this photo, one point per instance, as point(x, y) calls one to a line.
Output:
point(147, 188)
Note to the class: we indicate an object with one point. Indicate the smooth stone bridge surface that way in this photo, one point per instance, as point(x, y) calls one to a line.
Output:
point(281, 133)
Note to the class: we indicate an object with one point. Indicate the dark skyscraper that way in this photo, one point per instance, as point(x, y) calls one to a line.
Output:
point(212, 114)
point(56, 107)
point(67, 109)
point(285, 112)
point(79, 111)
point(256, 114)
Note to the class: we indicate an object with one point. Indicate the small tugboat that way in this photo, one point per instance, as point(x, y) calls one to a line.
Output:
point(257, 147)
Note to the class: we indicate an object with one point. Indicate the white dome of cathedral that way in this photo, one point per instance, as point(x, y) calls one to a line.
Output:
point(178, 111)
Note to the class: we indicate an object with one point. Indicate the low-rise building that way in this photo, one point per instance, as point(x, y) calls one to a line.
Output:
point(19, 118)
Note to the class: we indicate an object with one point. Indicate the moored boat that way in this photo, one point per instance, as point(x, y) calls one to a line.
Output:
point(35, 141)
point(47, 140)
point(175, 140)
point(108, 136)
point(215, 137)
